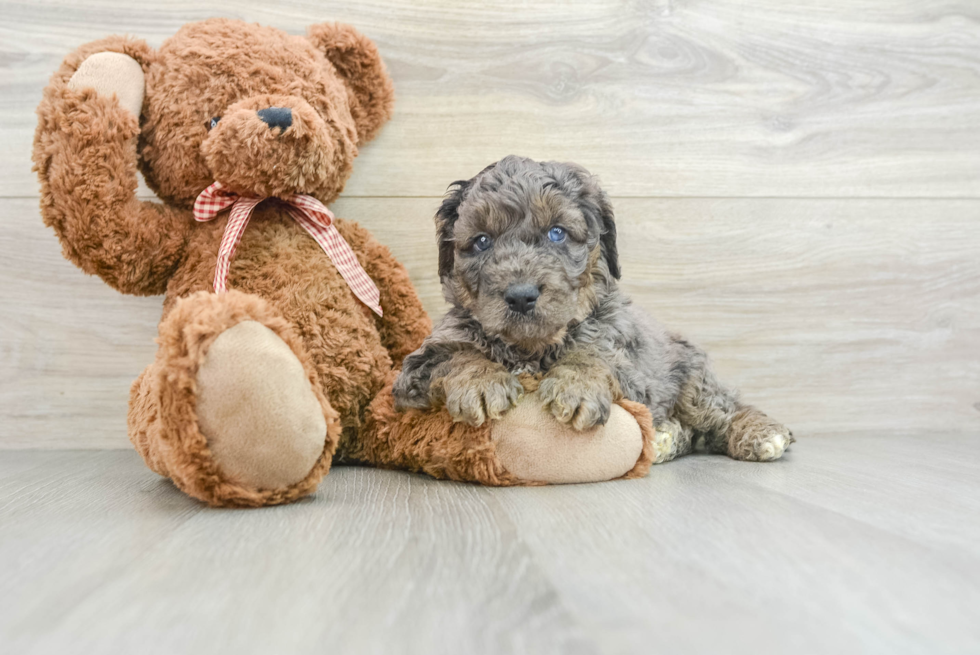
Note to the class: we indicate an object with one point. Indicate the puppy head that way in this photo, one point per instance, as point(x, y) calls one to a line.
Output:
point(524, 246)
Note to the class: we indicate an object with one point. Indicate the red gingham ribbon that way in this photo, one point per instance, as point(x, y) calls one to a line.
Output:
point(308, 212)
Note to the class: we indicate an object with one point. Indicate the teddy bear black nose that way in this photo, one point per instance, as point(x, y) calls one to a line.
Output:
point(281, 117)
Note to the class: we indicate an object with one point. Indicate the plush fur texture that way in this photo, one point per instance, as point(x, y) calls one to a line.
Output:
point(163, 423)
point(548, 226)
point(86, 152)
point(208, 92)
point(433, 443)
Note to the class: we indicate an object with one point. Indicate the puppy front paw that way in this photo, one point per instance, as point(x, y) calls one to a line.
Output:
point(575, 398)
point(411, 391)
point(474, 400)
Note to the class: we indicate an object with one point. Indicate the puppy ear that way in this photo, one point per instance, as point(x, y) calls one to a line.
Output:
point(446, 218)
point(596, 206)
point(607, 240)
point(369, 88)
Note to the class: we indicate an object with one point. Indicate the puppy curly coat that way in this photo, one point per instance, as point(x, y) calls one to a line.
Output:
point(528, 260)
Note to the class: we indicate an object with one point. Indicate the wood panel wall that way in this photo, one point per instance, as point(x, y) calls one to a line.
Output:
point(797, 187)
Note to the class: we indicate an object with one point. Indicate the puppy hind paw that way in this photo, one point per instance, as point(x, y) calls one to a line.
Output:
point(755, 437)
point(663, 440)
point(671, 439)
point(763, 446)
point(772, 446)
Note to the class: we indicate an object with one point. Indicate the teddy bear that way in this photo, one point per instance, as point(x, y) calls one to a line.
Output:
point(283, 326)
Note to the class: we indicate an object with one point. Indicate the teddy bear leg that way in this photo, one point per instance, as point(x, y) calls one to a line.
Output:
point(526, 447)
point(531, 444)
point(231, 409)
point(426, 442)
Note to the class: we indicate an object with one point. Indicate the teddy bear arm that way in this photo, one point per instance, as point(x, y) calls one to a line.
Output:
point(85, 156)
point(405, 323)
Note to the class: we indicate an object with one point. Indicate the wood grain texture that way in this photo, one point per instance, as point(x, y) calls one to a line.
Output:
point(797, 187)
point(661, 98)
point(832, 315)
point(843, 546)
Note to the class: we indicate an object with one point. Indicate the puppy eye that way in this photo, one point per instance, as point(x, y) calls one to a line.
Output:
point(557, 234)
point(213, 123)
point(481, 243)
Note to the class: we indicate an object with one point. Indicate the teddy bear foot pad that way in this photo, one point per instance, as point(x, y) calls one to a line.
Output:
point(531, 445)
point(263, 422)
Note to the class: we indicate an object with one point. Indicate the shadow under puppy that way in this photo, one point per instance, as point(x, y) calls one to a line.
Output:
point(528, 260)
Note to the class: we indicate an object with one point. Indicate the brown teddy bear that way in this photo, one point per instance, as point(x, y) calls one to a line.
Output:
point(282, 327)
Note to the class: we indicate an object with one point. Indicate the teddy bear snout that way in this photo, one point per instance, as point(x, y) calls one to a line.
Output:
point(275, 146)
point(281, 117)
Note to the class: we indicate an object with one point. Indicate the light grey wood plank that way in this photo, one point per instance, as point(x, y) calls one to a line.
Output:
point(732, 98)
point(98, 555)
point(925, 488)
point(376, 561)
point(833, 315)
point(68, 522)
point(712, 562)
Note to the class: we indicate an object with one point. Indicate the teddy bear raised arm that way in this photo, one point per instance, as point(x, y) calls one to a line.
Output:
point(283, 326)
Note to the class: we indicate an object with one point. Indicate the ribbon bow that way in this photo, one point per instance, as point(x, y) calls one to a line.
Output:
point(308, 212)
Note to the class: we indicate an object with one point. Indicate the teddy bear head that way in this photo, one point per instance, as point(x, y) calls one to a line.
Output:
point(263, 112)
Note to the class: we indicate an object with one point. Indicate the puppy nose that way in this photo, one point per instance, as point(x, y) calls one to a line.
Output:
point(521, 297)
point(281, 117)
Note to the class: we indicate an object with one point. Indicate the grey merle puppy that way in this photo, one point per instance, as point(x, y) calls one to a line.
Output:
point(528, 260)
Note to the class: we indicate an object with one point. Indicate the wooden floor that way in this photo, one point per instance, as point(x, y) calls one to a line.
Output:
point(852, 544)
point(797, 189)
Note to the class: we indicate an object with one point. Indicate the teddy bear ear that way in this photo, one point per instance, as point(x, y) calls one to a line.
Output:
point(114, 65)
point(356, 58)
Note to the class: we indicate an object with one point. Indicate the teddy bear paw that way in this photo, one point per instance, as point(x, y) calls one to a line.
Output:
point(264, 425)
point(112, 74)
point(531, 444)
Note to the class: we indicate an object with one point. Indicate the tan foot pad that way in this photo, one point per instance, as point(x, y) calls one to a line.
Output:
point(533, 445)
point(264, 425)
point(112, 73)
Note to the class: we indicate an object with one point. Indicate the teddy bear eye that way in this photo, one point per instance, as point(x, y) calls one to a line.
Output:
point(213, 123)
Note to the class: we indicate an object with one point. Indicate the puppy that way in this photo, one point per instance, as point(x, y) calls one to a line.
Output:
point(528, 260)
